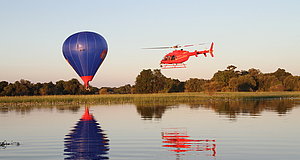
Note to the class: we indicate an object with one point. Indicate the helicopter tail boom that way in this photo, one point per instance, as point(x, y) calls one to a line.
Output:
point(204, 52)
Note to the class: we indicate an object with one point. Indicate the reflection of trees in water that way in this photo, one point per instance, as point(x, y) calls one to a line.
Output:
point(150, 110)
point(282, 106)
point(252, 107)
point(231, 108)
point(28, 109)
point(155, 110)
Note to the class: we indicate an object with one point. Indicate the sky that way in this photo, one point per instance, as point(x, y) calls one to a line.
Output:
point(261, 34)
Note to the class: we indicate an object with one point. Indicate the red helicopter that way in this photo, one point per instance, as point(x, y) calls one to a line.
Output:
point(176, 58)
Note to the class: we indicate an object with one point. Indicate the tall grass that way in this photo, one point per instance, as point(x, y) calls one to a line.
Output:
point(138, 98)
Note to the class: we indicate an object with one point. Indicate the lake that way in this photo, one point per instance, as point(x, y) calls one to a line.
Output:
point(225, 130)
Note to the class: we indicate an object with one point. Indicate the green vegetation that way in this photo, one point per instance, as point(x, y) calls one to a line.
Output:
point(228, 80)
point(148, 81)
point(150, 106)
point(155, 82)
point(141, 99)
point(25, 87)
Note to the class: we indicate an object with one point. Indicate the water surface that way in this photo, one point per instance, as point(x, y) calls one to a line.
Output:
point(253, 129)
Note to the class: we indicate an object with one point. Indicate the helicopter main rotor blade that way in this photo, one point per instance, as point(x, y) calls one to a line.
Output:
point(190, 45)
point(176, 46)
point(157, 48)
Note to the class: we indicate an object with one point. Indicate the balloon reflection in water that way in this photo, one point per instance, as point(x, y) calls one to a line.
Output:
point(86, 140)
point(180, 142)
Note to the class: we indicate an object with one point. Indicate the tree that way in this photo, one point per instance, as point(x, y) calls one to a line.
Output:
point(19, 88)
point(23, 87)
point(269, 82)
point(47, 89)
point(59, 87)
point(92, 90)
point(213, 86)
point(281, 74)
point(3, 84)
point(143, 83)
point(223, 77)
point(231, 67)
point(103, 91)
point(126, 89)
point(292, 83)
point(133, 90)
point(36, 88)
point(158, 81)
point(195, 85)
point(72, 87)
point(174, 85)
point(150, 81)
point(244, 83)
point(155, 82)
point(254, 73)
point(9, 90)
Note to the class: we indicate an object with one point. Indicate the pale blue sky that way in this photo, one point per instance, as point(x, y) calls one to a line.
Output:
point(260, 34)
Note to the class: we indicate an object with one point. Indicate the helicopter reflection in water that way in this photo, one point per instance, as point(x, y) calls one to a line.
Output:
point(86, 141)
point(179, 142)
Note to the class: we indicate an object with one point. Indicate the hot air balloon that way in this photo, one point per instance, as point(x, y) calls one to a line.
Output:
point(85, 52)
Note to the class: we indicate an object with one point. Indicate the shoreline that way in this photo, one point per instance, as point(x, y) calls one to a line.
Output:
point(183, 97)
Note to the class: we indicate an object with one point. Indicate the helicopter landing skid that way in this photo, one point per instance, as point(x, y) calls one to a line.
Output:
point(170, 66)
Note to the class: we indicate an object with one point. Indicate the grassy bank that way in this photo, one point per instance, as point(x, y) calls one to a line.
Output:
point(138, 98)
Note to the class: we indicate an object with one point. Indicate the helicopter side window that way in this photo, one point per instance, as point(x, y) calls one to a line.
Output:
point(173, 57)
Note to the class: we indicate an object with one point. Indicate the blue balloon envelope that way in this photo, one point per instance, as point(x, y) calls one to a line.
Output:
point(85, 52)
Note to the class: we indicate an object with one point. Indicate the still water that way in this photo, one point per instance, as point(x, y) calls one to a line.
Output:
point(224, 130)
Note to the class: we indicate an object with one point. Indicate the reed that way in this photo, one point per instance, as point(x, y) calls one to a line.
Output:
point(139, 98)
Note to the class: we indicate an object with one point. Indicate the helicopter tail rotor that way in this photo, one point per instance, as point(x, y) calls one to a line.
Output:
point(211, 49)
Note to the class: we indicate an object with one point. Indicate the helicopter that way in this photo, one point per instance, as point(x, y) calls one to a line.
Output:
point(176, 58)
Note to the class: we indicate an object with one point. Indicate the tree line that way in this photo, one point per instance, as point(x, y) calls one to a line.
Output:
point(228, 80)
point(25, 87)
point(153, 81)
